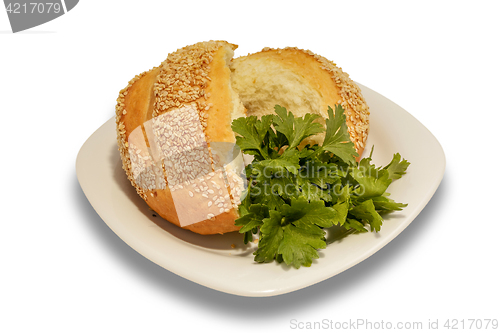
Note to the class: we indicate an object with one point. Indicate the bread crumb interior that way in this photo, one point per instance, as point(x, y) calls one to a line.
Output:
point(260, 84)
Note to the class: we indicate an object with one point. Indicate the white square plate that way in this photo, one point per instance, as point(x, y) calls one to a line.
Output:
point(211, 260)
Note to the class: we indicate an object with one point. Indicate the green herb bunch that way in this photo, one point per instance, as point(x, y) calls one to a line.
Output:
point(294, 194)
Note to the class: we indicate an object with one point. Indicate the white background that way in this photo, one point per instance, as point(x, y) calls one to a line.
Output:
point(64, 270)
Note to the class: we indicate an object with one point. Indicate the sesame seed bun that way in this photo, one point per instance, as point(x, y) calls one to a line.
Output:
point(174, 123)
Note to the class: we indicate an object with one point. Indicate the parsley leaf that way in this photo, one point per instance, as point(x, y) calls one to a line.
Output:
point(295, 232)
point(366, 212)
point(353, 224)
point(308, 214)
point(396, 167)
point(271, 235)
point(299, 246)
point(385, 204)
point(254, 218)
point(276, 175)
point(371, 181)
point(295, 129)
point(337, 139)
point(251, 134)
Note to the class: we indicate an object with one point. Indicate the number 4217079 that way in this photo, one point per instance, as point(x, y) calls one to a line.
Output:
point(471, 324)
point(34, 8)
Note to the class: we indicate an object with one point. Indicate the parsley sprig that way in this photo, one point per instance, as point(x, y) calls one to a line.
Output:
point(295, 194)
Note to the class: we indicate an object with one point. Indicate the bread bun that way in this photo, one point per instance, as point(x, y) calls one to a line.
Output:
point(174, 123)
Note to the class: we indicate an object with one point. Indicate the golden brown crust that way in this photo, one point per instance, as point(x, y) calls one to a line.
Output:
point(135, 115)
point(165, 207)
